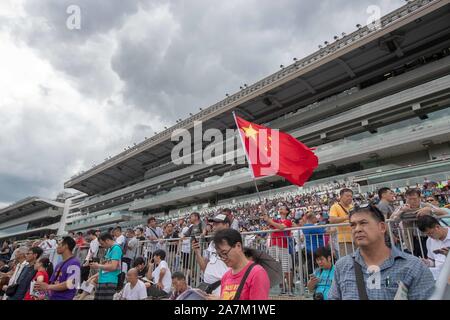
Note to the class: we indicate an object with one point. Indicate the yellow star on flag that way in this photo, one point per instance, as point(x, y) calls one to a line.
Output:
point(250, 132)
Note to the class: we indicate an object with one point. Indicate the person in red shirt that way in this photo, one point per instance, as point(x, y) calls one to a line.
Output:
point(44, 270)
point(80, 242)
point(279, 243)
point(243, 272)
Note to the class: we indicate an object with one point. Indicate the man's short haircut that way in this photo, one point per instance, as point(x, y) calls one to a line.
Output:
point(178, 275)
point(141, 229)
point(196, 214)
point(106, 236)
point(230, 236)
point(118, 228)
point(427, 222)
point(170, 224)
point(138, 261)
point(151, 219)
point(21, 250)
point(322, 252)
point(382, 191)
point(79, 233)
point(91, 232)
point(341, 193)
point(37, 251)
point(160, 253)
point(412, 192)
point(69, 242)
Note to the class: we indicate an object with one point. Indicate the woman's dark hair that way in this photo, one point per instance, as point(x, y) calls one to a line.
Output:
point(69, 242)
point(427, 222)
point(178, 275)
point(322, 252)
point(106, 236)
point(230, 236)
point(37, 251)
point(48, 266)
point(160, 253)
point(138, 261)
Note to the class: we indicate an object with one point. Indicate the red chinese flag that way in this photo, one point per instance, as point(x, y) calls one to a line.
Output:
point(272, 152)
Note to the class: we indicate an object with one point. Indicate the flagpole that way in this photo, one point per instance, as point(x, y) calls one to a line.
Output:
point(248, 158)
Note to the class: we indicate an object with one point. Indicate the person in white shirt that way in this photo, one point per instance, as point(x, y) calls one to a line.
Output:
point(161, 276)
point(212, 267)
point(131, 248)
point(153, 233)
point(93, 246)
point(21, 263)
point(135, 289)
point(119, 237)
point(185, 250)
point(438, 242)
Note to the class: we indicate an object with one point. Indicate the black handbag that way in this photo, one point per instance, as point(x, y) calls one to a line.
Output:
point(11, 290)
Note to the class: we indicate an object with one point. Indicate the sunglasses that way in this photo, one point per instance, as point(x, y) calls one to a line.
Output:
point(370, 207)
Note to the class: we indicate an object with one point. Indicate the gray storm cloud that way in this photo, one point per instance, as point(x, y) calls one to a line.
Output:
point(138, 65)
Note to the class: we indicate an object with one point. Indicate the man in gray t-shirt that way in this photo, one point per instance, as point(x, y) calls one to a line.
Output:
point(387, 198)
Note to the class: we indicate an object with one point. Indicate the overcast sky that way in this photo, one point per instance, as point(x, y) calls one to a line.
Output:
point(70, 98)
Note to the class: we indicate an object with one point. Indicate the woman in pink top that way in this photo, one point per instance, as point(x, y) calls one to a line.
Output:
point(243, 273)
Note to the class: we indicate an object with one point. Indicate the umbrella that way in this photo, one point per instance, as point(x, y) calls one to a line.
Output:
point(272, 267)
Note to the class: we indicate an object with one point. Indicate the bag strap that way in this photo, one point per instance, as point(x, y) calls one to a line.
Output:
point(58, 274)
point(362, 292)
point(345, 210)
point(241, 285)
point(213, 286)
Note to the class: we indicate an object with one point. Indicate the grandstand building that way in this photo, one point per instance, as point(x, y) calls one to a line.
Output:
point(31, 217)
point(375, 104)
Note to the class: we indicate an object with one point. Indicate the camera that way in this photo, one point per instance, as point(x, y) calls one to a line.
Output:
point(92, 260)
point(318, 296)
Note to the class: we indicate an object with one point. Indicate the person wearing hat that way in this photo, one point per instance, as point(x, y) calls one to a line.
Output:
point(234, 223)
point(212, 267)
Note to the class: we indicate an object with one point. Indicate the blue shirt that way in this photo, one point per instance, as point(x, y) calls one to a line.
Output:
point(399, 266)
point(314, 237)
point(113, 253)
point(325, 281)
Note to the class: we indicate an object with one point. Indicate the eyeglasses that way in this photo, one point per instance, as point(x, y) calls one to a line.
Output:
point(430, 200)
point(370, 207)
point(224, 255)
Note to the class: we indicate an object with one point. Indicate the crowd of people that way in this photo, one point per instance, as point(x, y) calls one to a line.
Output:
point(339, 238)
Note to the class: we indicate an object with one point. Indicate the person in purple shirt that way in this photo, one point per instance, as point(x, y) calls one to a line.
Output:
point(66, 277)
